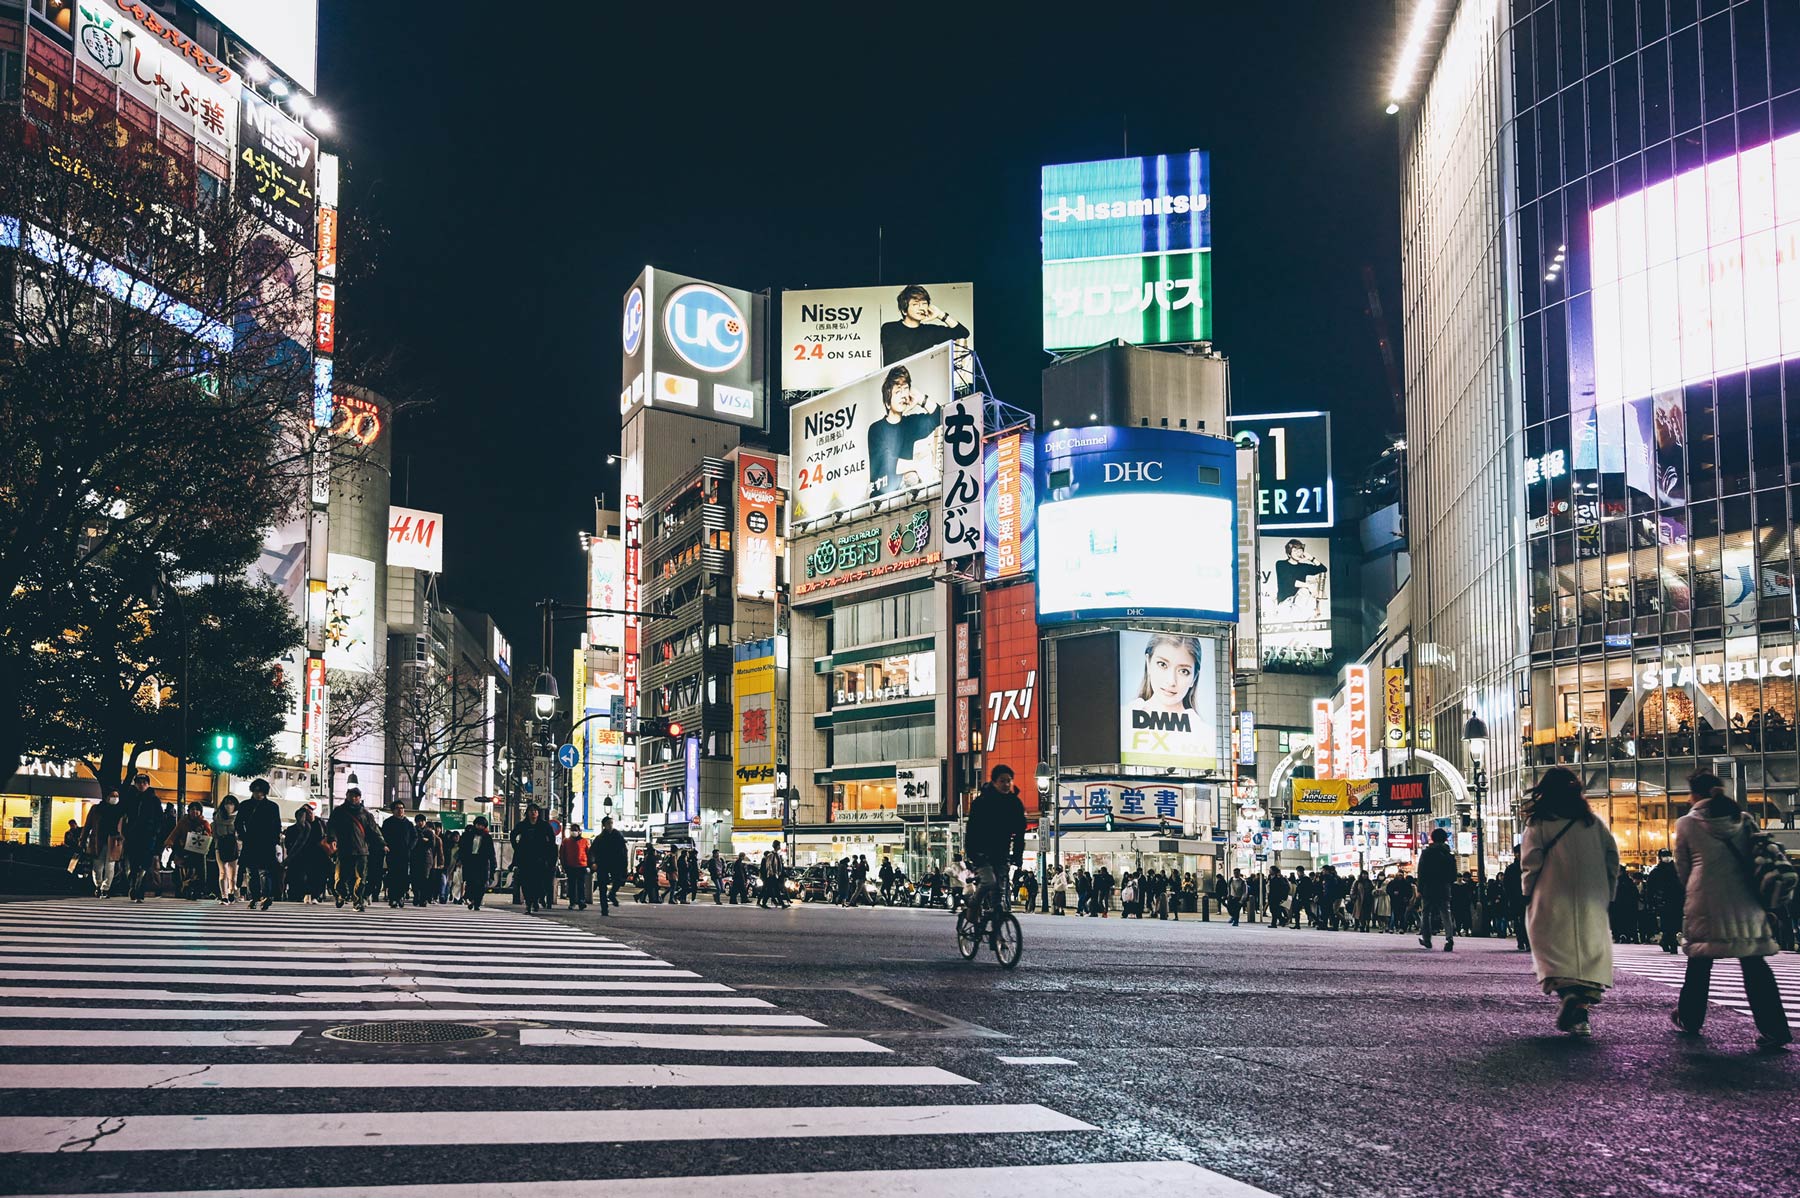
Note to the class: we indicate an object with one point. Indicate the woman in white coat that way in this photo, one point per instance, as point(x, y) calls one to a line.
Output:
point(1723, 916)
point(1570, 867)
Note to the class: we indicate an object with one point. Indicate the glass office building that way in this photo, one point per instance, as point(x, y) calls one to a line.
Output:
point(1604, 371)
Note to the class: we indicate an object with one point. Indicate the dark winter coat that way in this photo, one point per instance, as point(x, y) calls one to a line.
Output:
point(259, 830)
point(1437, 870)
point(609, 855)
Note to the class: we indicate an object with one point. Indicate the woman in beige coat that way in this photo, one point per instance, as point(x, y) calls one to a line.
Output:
point(1723, 916)
point(1570, 867)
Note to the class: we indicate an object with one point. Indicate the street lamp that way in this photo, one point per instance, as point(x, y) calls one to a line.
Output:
point(544, 695)
point(1475, 736)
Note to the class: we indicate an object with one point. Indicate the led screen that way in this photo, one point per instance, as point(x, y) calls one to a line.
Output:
point(1168, 700)
point(1136, 521)
point(1698, 275)
point(1127, 251)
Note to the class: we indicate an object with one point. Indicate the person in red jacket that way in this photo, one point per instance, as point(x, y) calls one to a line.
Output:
point(575, 866)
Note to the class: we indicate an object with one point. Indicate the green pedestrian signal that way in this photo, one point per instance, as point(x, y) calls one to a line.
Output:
point(1109, 821)
point(223, 753)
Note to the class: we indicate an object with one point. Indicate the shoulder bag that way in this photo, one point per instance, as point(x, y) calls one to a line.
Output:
point(1547, 848)
point(1771, 875)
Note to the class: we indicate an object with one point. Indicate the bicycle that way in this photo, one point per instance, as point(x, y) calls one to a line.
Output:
point(1000, 929)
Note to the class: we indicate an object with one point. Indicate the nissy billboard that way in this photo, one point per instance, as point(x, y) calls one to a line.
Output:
point(693, 347)
point(1136, 522)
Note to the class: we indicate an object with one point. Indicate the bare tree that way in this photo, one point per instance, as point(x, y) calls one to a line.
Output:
point(434, 717)
point(357, 708)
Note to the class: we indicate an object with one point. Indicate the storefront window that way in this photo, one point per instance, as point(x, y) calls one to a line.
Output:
point(908, 676)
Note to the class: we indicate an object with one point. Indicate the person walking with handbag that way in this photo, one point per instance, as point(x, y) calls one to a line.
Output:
point(1725, 915)
point(225, 847)
point(1570, 867)
point(103, 842)
point(190, 840)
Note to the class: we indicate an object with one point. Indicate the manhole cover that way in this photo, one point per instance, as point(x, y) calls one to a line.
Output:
point(408, 1031)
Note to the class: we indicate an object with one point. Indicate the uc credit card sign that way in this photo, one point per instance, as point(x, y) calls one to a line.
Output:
point(1127, 250)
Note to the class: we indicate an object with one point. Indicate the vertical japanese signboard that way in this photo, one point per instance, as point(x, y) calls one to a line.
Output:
point(1011, 503)
point(754, 548)
point(1393, 703)
point(754, 802)
point(1009, 680)
point(962, 478)
point(1321, 734)
point(313, 732)
point(1359, 701)
point(633, 577)
point(277, 170)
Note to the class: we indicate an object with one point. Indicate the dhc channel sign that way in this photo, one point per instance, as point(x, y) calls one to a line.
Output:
point(706, 328)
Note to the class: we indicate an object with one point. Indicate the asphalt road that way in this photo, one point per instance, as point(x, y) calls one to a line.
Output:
point(847, 1052)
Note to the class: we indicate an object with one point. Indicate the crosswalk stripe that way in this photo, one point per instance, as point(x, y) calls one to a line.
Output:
point(584, 1037)
point(637, 969)
point(106, 1037)
point(351, 982)
point(249, 1131)
point(413, 1014)
point(387, 996)
point(437, 946)
point(1100, 1180)
point(375, 1076)
point(63, 934)
point(203, 956)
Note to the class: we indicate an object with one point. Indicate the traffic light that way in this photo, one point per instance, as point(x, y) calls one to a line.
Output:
point(674, 728)
point(223, 753)
point(659, 725)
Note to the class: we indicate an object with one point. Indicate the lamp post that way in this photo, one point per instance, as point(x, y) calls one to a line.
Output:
point(1475, 736)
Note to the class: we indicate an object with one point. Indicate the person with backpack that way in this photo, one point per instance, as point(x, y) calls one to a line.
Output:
point(1570, 866)
point(1732, 873)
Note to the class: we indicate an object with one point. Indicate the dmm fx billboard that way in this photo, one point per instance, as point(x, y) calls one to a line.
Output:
point(1293, 468)
point(831, 338)
point(1127, 247)
point(1168, 700)
point(1136, 522)
point(754, 802)
point(693, 347)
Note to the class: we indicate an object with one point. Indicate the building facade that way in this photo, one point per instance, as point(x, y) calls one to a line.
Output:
point(1602, 207)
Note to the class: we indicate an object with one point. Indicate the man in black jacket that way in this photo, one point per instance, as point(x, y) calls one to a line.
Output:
point(996, 830)
point(259, 831)
point(352, 828)
point(534, 856)
point(476, 852)
point(144, 833)
point(1437, 871)
point(400, 835)
point(1665, 894)
point(610, 861)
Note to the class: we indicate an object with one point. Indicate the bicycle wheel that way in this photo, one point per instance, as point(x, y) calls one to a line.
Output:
point(966, 939)
point(1009, 941)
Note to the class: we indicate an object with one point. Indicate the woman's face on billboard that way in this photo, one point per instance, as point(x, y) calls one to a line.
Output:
point(1171, 676)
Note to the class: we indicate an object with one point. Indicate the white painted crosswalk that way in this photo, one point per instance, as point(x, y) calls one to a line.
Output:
point(1727, 987)
point(169, 1031)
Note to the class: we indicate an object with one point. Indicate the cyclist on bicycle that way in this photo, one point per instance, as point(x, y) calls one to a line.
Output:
point(995, 836)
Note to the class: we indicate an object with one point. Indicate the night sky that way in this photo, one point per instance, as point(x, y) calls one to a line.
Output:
point(526, 174)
